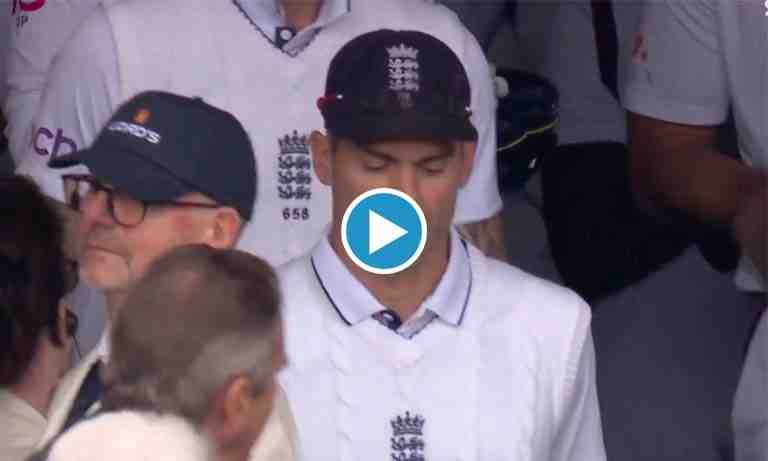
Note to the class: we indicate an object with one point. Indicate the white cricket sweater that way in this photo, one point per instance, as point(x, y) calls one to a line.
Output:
point(514, 381)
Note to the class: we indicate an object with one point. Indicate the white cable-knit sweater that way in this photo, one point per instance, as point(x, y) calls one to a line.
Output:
point(514, 381)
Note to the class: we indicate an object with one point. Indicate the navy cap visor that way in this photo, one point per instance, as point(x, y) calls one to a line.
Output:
point(407, 125)
point(127, 173)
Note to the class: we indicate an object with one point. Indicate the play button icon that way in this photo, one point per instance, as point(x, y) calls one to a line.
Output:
point(384, 231)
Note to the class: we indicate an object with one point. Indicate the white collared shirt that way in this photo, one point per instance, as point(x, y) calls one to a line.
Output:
point(354, 302)
point(103, 347)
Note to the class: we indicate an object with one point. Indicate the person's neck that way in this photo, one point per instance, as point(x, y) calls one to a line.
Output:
point(232, 453)
point(405, 291)
point(115, 299)
point(300, 14)
point(38, 384)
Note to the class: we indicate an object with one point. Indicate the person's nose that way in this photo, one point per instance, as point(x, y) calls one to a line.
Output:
point(95, 210)
point(407, 181)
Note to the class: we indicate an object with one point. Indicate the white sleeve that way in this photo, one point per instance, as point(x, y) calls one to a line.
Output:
point(80, 95)
point(579, 436)
point(37, 32)
point(480, 199)
point(750, 408)
point(676, 72)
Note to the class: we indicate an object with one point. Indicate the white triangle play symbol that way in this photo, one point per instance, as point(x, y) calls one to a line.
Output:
point(381, 232)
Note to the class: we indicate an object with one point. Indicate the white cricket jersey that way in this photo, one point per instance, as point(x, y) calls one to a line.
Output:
point(693, 60)
point(38, 30)
point(504, 371)
point(224, 51)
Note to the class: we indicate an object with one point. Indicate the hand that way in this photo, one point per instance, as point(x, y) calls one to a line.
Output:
point(751, 232)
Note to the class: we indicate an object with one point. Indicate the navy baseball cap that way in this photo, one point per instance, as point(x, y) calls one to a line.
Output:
point(159, 146)
point(388, 85)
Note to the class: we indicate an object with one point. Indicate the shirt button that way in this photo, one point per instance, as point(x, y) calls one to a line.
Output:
point(286, 34)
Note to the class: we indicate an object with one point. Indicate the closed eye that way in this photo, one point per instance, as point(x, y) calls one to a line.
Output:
point(375, 164)
point(434, 165)
point(374, 161)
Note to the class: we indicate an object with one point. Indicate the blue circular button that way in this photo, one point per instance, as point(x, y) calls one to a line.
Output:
point(384, 231)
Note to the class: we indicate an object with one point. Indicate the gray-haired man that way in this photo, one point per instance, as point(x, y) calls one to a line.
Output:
point(192, 370)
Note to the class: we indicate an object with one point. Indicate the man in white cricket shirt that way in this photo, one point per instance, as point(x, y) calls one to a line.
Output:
point(459, 356)
point(154, 186)
point(694, 61)
point(264, 61)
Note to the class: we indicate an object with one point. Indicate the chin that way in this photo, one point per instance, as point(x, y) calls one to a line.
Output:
point(101, 275)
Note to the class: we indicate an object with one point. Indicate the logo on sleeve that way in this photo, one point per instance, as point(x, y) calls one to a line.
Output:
point(46, 141)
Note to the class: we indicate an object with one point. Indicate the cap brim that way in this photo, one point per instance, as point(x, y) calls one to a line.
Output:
point(128, 173)
point(408, 125)
point(69, 160)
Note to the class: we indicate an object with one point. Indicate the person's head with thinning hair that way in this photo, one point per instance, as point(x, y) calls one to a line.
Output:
point(200, 338)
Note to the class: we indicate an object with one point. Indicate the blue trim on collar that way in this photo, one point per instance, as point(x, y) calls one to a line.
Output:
point(292, 53)
point(327, 294)
point(469, 289)
point(267, 37)
point(348, 323)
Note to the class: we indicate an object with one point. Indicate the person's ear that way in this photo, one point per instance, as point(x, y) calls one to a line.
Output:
point(232, 412)
point(468, 150)
point(61, 321)
point(224, 229)
point(322, 151)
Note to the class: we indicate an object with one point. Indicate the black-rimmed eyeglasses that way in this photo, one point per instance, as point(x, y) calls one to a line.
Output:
point(124, 209)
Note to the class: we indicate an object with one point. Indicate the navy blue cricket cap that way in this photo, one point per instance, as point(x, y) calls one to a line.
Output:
point(389, 85)
point(159, 146)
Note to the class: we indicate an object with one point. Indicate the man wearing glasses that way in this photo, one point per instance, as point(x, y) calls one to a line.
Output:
point(166, 171)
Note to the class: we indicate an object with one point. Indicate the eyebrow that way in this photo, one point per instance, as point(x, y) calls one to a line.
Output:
point(446, 150)
point(379, 154)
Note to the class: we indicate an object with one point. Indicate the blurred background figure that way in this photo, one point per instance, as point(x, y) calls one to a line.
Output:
point(36, 326)
point(36, 31)
point(32, 34)
point(194, 356)
point(6, 162)
point(484, 18)
point(659, 287)
point(693, 63)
